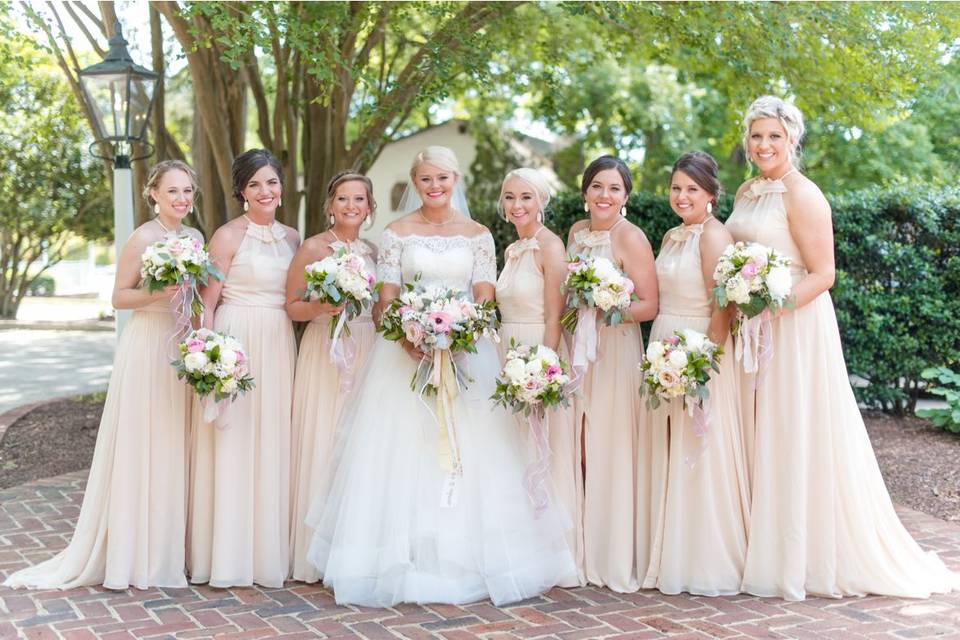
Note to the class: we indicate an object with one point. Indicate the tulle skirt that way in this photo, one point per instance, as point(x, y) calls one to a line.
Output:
point(131, 526)
point(822, 521)
point(381, 534)
point(240, 471)
point(700, 497)
point(317, 402)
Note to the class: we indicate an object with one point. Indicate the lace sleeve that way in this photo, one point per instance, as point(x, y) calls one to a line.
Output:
point(484, 259)
point(388, 260)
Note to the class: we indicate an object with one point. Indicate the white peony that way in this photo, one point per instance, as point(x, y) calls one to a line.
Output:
point(605, 271)
point(655, 351)
point(515, 371)
point(604, 298)
point(738, 290)
point(228, 357)
point(328, 265)
point(677, 359)
point(758, 253)
point(694, 340)
point(195, 361)
point(779, 282)
point(533, 367)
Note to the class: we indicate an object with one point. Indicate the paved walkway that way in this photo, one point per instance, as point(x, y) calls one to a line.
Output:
point(37, 519)
point(39, 365)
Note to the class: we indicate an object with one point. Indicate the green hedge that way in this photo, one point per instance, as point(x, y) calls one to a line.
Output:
point(897, 292)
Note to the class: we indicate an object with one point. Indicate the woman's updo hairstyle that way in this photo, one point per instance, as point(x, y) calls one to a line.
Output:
point(161, 169)
point(342, 178)
point(604, 163)
point(536, 180)
point(789, 116)
point(702, 169)
point(441, 157)
point(247, 164)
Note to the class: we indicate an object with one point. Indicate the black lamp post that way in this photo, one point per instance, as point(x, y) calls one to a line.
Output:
point(120, 94)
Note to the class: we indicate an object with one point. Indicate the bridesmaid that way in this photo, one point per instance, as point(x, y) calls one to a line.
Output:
point(699, 502)
point(530, 303)
point(240, 484)
point(822, 522)
point(132, 523)
point(616, 440)
point(320, 390)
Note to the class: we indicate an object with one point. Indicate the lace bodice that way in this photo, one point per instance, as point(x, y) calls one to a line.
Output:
point(450, 261)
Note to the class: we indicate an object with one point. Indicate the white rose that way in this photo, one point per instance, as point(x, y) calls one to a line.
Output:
point(758, 253)
point(229, 385)
point(534, 367)
point(605, 271)
point(228, 358)
point(779, 282)
point(195, 361)
point(738, 290)
point(328, 265)
point(655, 351)
point(605, 299)
point(515, 371)
point(694, 340)
point(677, 359)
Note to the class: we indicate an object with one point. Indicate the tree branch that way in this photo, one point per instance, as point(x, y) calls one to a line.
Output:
point(252, 70)
point(83, 27)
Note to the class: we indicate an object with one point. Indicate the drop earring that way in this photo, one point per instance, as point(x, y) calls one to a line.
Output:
point(586, 208)
point(369, 222)
point(623, 211)
point(332, 220)
point(279, 202)
point(156, 207)
point(246, 206)
point(709, 208)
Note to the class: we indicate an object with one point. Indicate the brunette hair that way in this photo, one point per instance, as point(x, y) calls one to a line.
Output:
point(247, 164)
point(349, 176)
point(702, 169)
point(163, 168)
point(604, 163)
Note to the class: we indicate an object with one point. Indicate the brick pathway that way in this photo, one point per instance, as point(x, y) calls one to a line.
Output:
point(37, 519)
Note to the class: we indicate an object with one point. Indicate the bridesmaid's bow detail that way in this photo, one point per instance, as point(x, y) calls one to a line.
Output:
point(521, 246)
point(684, 232)
point(763, 186)
point(586, 238)
point(271, 234)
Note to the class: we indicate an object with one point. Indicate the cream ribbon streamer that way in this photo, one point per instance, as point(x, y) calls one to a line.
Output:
point(585, 339)
point(755, 344)
point(443, 376)
point(343, 350)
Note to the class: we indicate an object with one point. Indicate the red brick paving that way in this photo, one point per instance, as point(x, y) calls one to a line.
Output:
point(37, 519)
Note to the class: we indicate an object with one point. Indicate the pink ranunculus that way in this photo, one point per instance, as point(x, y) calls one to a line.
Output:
point(404, 310)
point(194, 345)
point(440, 321)
point(241, 357)
point(370, 278)
point(554, 370)
point(749, 270)
point(413, 333)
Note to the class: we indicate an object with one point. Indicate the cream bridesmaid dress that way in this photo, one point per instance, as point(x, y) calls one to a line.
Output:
point(616, 443)
point(132, 523)
point(699, 500)
point(822, 522)
point(239, 531)
point(520, 300)
point(318, 399)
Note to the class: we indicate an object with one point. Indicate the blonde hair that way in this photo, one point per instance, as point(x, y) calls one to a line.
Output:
point(344, 177)
point(440, 157)
point(531, 177)
point(789, 116)
point(163, 168)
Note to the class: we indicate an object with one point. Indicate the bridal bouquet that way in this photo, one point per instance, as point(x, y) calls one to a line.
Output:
point(182, 261)
point(342, 279)
point(533, 379)
point(757, 279)
point(679, 367)
point(753, 277)
point(595, 283)
point(213, 363)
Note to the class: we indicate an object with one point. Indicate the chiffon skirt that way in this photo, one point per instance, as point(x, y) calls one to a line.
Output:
point(699, 501)
point(381, 534)
point(822, 521)
point(317, 403)
point(616, 440)
point(131, 526)
point(566, 471)
point(239, 529)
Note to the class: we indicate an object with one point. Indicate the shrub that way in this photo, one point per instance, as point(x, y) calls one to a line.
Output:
point(44, 285)
point(947, 418)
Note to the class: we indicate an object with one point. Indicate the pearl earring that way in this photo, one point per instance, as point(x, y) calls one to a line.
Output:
point(156, 207)
point(332, 220)
point(709, 208)
point(623, 211)
point(586, 208)
point(246, 206)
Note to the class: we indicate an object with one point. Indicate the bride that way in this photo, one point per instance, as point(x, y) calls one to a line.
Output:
point(383, 534)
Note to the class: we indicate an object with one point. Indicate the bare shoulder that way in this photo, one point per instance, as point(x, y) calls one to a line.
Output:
point(551, 245)
point(474, 229)
point(196, 234)
point(404, 224)
point(229, 234)
point(715, 231)
point(632, 235)
point(803, 194)
point(315, 243)
point(293, 236)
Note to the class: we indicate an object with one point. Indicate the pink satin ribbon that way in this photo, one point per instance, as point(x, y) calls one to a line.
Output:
point(755, 345)
point(537, 472)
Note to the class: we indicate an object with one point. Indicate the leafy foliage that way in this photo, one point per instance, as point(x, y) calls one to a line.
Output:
point(949, 389)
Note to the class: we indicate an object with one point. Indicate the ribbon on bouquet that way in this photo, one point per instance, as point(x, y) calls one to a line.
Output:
point(343, 351)
point(535, 476)
point(755, 344)
point(442, 375)
point(181, 307)
point(213, 410)
point(585, 339)
point(700, 413)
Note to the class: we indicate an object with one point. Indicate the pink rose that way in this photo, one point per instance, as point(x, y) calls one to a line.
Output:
point(628, 286)
point(553, 370)
point(674, 340)
point(440, 321)
point(194, 345)
point(749, 270)
point(241, 357)
point(413, 333)
point(668, 378)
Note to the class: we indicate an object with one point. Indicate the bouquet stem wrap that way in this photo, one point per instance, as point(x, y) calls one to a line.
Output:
point(342, 352)
point(585, 339)
point(755, 344)
point(535, 476)
point(442, 375)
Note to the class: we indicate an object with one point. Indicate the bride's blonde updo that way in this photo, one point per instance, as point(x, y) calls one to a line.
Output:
point(531, 177)
point(789, 116)
point(440, 157)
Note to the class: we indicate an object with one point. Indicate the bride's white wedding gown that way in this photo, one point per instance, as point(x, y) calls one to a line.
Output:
point(381, 535)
